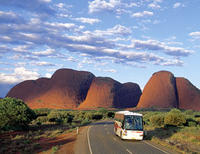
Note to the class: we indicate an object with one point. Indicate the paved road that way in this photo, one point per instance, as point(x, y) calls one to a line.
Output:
point(102, 140)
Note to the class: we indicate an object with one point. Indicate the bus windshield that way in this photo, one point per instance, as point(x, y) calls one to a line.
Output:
point(132, 122)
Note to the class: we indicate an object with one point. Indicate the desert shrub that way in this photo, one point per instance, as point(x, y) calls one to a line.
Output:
point(41, 119)
point(189, 112)
point(197, 120)
point(42, 112)
point(88, 115)
point(157, 120)
point(174, 118)
point(85, 122)
point(97, 116)
point(191, 122)
point(15, 114)
point(110, 114)
point(102, 110)
point(80, 115)
point(60, 117)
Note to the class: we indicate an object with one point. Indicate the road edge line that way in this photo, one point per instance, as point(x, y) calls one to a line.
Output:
point(90, 149)
point(155, 147)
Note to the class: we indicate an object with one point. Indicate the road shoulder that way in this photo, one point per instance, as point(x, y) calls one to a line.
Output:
point(81, 144)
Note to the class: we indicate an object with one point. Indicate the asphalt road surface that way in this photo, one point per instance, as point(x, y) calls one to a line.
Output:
point(100, 139)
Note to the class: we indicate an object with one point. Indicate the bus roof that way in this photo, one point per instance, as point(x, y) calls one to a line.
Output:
point(128, 113)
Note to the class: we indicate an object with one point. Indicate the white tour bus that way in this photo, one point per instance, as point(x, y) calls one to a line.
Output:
point(129, 125)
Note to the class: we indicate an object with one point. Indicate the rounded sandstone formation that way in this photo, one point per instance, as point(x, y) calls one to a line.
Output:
point(188, 94)
point(101, 93)
point(127, 95)
point(160, 91)
point(108, 93)
point(66, 89)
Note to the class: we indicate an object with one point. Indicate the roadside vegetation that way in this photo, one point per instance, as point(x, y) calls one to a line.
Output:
point(175, 129)
point(23, 130)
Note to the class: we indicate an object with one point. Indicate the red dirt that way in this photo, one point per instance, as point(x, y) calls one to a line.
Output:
point(160, 91)
point(188, 94)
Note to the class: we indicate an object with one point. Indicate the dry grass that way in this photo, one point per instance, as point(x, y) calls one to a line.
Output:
point(181, 139)
point(35, 140)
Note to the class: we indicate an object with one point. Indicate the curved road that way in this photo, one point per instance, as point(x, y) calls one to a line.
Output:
point(99, 138)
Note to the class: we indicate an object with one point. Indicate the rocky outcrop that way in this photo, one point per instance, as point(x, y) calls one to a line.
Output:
point(106, 92)
point(188, 94)
point(65, 89)
point(69, 89)
point(160, 91)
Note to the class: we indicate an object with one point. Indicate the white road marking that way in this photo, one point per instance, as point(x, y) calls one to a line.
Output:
point(108, 133)
point(90, 149)
point(129, 151)
point(155, 147)
point(114, 139)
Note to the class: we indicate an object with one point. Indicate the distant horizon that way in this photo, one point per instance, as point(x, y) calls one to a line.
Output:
point(122, 39)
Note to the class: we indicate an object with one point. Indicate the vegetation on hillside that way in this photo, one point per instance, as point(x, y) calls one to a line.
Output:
point(175, 129)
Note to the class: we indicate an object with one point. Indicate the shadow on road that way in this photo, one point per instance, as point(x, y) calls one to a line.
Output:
point(103, 123)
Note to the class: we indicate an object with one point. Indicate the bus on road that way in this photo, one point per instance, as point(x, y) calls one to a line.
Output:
point(129, 125)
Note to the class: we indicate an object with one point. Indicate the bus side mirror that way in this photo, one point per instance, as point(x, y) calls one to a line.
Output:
point(144, 122)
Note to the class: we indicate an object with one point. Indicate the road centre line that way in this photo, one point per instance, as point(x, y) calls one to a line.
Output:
point(129, 151)
point(90, 149)
point(156, 147)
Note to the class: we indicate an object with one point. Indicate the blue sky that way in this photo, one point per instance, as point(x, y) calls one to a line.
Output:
point(127, 40)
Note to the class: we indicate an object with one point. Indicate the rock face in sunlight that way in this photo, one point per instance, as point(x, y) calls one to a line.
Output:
point(67, 89)
point(160, 91)
point(188, 94)
point(106, 92)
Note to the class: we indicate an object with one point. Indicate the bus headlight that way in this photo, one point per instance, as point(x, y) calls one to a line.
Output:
point(125, 133)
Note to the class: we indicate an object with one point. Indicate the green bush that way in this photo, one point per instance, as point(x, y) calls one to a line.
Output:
point(191, 122)
point(60, 117)
point(110, 114)
point(88, 115)
point(102, 110)
point(15, 114)
point(97, 116)
point(85, 122)
point(157, 120)
point(42, 112)
point(174, 118)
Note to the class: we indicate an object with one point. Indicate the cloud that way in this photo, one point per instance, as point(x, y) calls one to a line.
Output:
point(41, 7)
point(10, 17)
point(157, 45)
point(178, 4)
point(102, 5)
point(116, 30)
point(154, 6)
point(87, 20)
point(115, 6)
point(20, 74)
point(110, 70)
point(195, 35)
point(46, 52)
point(142, 14)
point(42, 63)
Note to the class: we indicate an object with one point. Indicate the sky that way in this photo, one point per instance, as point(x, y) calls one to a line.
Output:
point(127, 40)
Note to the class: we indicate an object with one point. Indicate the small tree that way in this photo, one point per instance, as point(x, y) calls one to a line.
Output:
point(157, 120)
point(15, 114)
point(174, 118)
